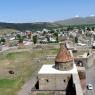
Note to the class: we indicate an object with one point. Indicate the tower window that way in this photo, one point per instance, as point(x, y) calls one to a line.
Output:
point(47, 80)
point(64, 80)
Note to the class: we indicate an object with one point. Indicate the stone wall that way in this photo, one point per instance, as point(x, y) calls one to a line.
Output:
point(77, 83)
point(90, 59)
point(81, 72)
point(87, 62)
point(53, 82)
point(82, 60)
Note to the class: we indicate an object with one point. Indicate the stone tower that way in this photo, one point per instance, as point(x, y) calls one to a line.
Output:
point(57, 76)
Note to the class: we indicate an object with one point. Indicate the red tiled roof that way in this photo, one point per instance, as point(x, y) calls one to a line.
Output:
point(63, 55)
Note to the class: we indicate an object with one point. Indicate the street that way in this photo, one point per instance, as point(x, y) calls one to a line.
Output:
point(90, 79)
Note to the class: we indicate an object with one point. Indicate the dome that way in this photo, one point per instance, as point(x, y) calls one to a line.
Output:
point(64, 59)
point(63, 55)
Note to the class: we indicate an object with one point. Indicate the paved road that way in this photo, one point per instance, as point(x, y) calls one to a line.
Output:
point(26, 88)
point(90, 78)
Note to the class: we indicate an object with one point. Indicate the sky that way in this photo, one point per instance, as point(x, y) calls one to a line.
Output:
point(44, 10)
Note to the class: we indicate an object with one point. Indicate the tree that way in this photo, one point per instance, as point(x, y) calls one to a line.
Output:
point(35, 39)
point(56, 35)
point(29, 35)
point(20, 38)
point(76, 39)
point(69, 28)
point(88, 29)
point(2, 40)
point(92, 28)
point(48, 39)
point(57, 40)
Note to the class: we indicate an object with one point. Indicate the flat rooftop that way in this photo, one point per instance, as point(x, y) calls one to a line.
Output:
point(49, 69)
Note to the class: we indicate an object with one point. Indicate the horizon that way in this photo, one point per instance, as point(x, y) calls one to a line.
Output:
point(51, 21)
point(30, 11)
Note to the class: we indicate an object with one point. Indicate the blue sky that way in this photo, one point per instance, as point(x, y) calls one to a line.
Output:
point(44, 10)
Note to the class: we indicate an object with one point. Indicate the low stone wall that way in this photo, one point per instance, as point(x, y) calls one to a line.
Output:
point(82, 60)
point(87, 62)
point(13, 50)
point(81, 72)
point(34, 92)
point(90, 59)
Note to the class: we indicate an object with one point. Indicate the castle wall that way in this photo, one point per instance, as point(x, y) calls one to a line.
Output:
point(53, 81)
point(90, 60)
point(80, 59)
point(87, 62)
point(81, 72)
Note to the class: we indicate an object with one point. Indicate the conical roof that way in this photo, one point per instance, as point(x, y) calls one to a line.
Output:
point(63, 55)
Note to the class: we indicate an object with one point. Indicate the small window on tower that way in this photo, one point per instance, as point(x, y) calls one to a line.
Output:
point(47, 80)
point(64, 80)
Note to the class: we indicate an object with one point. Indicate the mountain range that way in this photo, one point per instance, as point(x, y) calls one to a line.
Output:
point(77, 21)
point(40, 25)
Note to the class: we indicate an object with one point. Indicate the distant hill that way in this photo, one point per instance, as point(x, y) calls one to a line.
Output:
point(28, 26)
point(77, 21)
point(40, 25)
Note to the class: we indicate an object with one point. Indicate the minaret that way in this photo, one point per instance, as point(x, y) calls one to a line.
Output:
point(63, 60)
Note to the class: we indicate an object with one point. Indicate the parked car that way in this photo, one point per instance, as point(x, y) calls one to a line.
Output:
point(90, 87)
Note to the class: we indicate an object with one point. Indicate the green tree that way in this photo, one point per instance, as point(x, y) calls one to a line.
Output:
point(48, 39)
point(21, 39)
point(18, 36)
point(56, 35)
point(35, 39)
point(2, 40)
point(88, 29)
point(76, 39)
point(29, 35)
point(57, 40)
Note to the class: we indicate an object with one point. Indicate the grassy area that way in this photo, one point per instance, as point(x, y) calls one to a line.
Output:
point(23, 65)
point(42, 94)
point(9, 87)
point(6, 83)
point(6, 31)
point(80, 52)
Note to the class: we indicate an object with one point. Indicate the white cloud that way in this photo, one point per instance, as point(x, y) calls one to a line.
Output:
point(76, 15)
point(92, 15)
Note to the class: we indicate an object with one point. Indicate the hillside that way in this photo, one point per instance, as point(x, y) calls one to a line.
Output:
point(77, 21)
point(40, 25)
point(28, 26)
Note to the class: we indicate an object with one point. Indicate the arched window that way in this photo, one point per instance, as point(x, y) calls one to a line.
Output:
point(64, 80)
point(47, 80)
point(80, 63)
